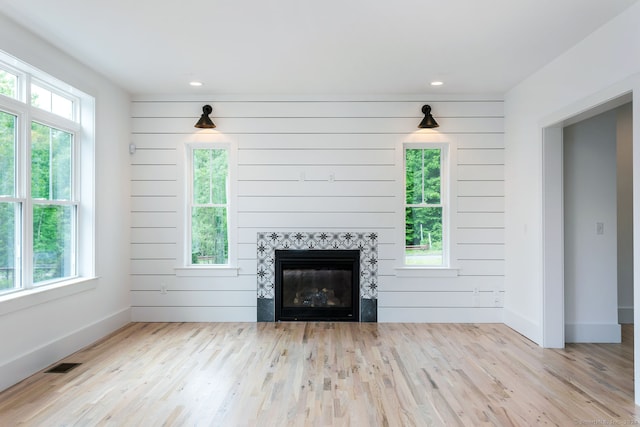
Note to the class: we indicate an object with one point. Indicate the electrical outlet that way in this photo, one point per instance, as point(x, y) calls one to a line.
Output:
point(599, 227)
point(163, 289)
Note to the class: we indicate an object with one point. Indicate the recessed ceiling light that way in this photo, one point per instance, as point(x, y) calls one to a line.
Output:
point(195, 83)
point(437, 83)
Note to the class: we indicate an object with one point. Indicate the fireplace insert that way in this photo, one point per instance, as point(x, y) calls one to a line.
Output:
point(317, 285)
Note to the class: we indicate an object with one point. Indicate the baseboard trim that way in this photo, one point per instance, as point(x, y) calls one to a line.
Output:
point(625, 315)
point(34, 361)
point(593, 333)
point(523, 326)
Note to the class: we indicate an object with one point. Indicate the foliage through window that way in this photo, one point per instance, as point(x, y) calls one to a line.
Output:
point(39, 181)
point(209, 206)
point(424, 207)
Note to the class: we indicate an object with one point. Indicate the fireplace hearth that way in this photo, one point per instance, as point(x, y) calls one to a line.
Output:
point(317, 285)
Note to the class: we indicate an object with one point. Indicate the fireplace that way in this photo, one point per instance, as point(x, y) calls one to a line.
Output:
point(317, 285)
point(365, 294)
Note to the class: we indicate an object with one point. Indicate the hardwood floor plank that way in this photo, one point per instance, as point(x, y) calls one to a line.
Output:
point(329, 374)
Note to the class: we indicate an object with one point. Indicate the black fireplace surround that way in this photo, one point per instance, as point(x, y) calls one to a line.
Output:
point(317, 285)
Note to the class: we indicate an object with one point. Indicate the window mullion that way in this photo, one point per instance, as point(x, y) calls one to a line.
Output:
point(25, 189)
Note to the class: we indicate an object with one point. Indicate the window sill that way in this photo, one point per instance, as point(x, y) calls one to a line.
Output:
point(426, 272)
point(222, 271)
point(21, 300)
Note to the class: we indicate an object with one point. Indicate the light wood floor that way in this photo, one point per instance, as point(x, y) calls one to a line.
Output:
point(318, 374)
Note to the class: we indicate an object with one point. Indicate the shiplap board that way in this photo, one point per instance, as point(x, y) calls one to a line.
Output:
point(154, 204)
point(487, 156)
point(303, 157)
point(140, 172)
point(194, 314)
point(480, 172)
point(317, 109)
point(481, 204)
point(318, 141)
point(191, 298)
point(480, 188)
point(315, 188)
point(479, 251)
point(158, 187)
point(310, 204)
point(317, 166)
point(442, 284)
point(312, 125)
point(480, 220)
point(154, 235)
point(153, 250)
point(316, 172)
point(150, 156)
point(440, 314)
point(439, 299)
point(308, 220)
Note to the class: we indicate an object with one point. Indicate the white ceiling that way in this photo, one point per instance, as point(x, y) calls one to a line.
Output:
point(304, 47)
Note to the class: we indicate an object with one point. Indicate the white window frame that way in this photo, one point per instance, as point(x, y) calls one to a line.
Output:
point(81, 126)
point(186, 268)
point(447, 196)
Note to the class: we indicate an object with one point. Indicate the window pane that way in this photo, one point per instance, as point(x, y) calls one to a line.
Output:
point(49, 101)
point(9, 228)
point(40, 97)
point(61, 106)
point(51, 163)
point(7, 154)
point(8, 84)
point(422, 168)
point(209, 241)
point(210, 176)
point(423, 236)
point(52, 242)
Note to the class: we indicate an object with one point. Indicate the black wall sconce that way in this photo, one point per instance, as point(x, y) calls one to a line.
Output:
point(205, 122)
point(428, 122)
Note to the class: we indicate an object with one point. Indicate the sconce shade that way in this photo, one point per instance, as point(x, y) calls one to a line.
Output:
point(205, 122)
point(428, 122)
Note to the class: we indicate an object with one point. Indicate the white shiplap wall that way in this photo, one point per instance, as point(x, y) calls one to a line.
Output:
point(317, 165)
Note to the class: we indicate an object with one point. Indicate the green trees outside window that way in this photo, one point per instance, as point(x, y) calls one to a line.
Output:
point(209, 206)
point(9, 206)
point(423, 207)
point(53, 207)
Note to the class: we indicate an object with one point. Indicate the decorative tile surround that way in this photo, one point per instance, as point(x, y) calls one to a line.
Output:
point(268, 242)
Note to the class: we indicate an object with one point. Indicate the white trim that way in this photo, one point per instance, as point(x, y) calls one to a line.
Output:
point(447, 197)
point(207, 139)
point(21, 299)
point(29, 363)
point(81, 126)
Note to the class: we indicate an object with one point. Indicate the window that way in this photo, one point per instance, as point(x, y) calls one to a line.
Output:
point(209, 206)
point(41, 197)
point(8, 84)
point(425, 206)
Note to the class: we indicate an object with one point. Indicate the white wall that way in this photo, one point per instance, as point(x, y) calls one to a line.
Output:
point(600, 68)
point(34, 333)
point(590, 261)
point(357, 143)
point(624, 155)
point(596, 70)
